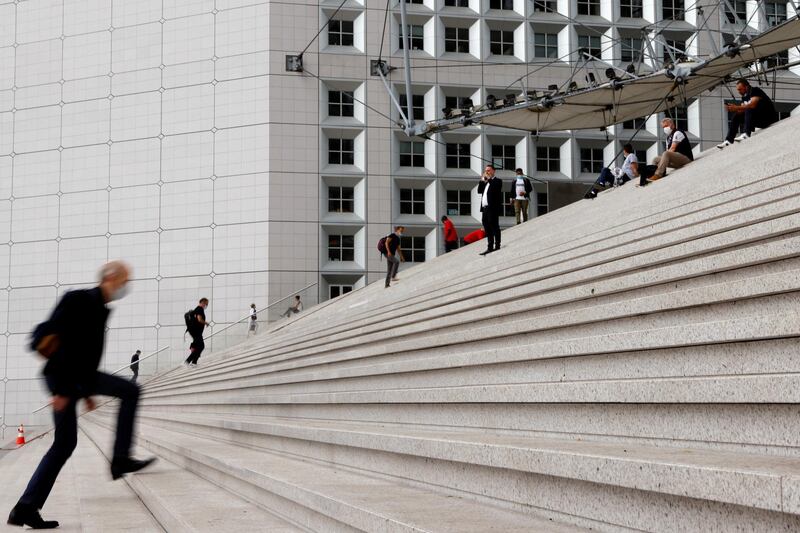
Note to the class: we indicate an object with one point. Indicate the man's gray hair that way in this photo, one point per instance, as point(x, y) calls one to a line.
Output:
point(112, 269)
point(667, 119)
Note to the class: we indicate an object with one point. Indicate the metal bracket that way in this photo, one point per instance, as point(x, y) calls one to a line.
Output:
point(379, 67)
point(294, 63)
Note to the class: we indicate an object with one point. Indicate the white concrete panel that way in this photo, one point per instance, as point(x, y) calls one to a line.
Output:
point(79, 259)
point(86, 89)
point(84, 16)
point(134, 209)
point(38, 62)
point(242, 102)
point(33, 263)
point(184, 8)
point(84, 168)
point(87, 55)
point(6, 133)
point(186, 252)
point(8, 21)
point(137, 309)
point(37, 129)
point(188, 39)
point(5, 262)
point(7, 74)
point(36, 174)
point(139, 250)
point(240, 248)
point(233, 294)
point(178, 295)
point(187, 204)
point(6, 171)
point(188, 109)
point(37, 95)
point(135, 162)
point(239, 199)
point(84, 123)
point(243, 150)
point(34, 219)
point(242, 30)
point(84, 214)
point(136, 116)
point(5, 228)
point(40, 20)
point(188, 156)
point(136, 47)
point(127, 13)
point(23, 366)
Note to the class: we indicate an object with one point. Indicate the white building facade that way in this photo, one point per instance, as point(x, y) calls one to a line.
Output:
point(168, 133)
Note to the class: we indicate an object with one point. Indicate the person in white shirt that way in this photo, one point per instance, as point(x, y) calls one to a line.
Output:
point(629, 168)
point(295, 308)
point(678, 153)
point(520, 193)
point(253, 320)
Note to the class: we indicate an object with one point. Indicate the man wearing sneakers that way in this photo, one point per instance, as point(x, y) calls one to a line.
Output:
point(678, 153)
point(196, 327)
point(72, 341)
point(394, 254)
point(755, 111)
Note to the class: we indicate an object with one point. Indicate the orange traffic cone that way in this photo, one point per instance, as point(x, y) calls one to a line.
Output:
point(20, 435)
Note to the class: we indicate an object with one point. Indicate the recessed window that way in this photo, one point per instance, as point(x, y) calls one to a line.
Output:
point(456, 3)
point(340, 199)
point(417, 105)
point(589, 7)
point(545, 6)
point(341, 152)
point(630, 49)
point(680, 115)
point(545, 45)
point(678, 49)
point(548, 159)
point(412, 201)
point(776, 12)
point(456, 40)
point(506, 5)
point(739, 13)
point(337, 290)
point(456, 102)
point(501, 42)
point(459, 203)
point(541, 203)
point(591, 160)
point(412, 154)
point(420, 2)
point(416, 33)
point(413, 249)
point(590, 44)
point(634, 124)
point(641, 156)
point(341, 247)
point(631, 9)
point(778, 60)
point(504, 156)
point(673, 9)
point(340, 103)
point(457, 155)
point(340, 33)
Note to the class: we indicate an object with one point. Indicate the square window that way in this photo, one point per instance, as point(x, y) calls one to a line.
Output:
point(634, 124)
point(672, 9)
point(338, 290)
point(631, 9)
point(504, 156)
point(412, 154)
point(776, 13)
point(545, 45)
point(340, 103)
point(548, 159)
point(589, 7)
point(413, 249)
point(341, 199)
point(501, 42)
point(459, 203)
point(340, 33)
point(631, 48)
point(457, 102)
point(412, 201)
point(456, 40)
point(591, 160)
point(456, 3)
point(590, 44)
point(678, 49)
point(457, 155)
point(341, 152)
point(541, 203)
point(341, 247)
point(739, 13)
point(417, 105)
point(506, 5)
point(545, 6)
point(416, 33)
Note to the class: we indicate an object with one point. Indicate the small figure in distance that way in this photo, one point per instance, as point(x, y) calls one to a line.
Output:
point(195, 324)
point(491, 190)
point(450, 234)
point(135, 365)
point(394, 254)
point(72, 342)
point(253, 320)
point(295, 308)
point(521, 192)
point(678, 153)
point(755, 111)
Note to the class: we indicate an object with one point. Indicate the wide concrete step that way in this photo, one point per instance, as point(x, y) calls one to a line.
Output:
point(347, 498)
point(84, 497)
point(759, 481)
point(183, 501)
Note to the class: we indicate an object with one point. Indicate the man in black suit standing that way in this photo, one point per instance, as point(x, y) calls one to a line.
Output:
point(135, 365)
point(491, 191)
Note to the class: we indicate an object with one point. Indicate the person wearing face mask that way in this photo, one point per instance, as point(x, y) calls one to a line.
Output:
point(678, 153)
point(72, 342)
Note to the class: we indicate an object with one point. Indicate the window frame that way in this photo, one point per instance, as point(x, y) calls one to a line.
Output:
point(340, 103)
point(342, 251)
point(546, 46)
point(459, 157)
point(417, 40)
point(627, 45)
point(411, 252)
point(595, 165)
point(415, 203)
point(504, 157)
point(342, 289)
point(594, 51)
point(342, 151)
point(336, 29)
point(461, 203)
point(413, 154)
point(591, 8)
point(631, 9)
point(341, 199)
point(551, 161)
point(501, 47)
point(673, 9)
point(457, 42)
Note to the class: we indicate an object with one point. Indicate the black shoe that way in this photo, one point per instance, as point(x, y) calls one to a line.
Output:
point(488, 251)
point(496, 247)
point(126, 466)
point(22, 515)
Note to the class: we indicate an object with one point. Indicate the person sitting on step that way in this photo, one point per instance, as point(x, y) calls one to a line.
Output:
point(678, 153)
point(755, 111)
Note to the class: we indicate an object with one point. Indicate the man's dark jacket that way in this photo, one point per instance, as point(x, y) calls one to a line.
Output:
point(79, 321)
point(495, 194)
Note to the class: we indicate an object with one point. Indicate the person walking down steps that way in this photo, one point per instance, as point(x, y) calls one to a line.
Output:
point(195, 324)
point(253, 326)
point(135, 365)
point(72, 342)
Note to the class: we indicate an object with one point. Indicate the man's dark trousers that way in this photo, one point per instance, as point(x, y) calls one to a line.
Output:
point(491, 225)
point(66, 436)
point(196, 348)
point(752, 119)
point(450, 246)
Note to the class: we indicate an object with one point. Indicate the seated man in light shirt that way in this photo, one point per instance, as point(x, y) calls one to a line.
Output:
point(618, 176)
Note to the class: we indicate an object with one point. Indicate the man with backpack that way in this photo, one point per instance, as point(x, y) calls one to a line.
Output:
point(72, 341)
point(195, 324)
point(390, 247)
point(520, 195)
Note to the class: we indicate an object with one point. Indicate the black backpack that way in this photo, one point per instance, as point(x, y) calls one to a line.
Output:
point(188, 317)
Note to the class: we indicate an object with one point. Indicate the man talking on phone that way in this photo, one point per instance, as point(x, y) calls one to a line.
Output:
point(72, 341)
point(491, 191)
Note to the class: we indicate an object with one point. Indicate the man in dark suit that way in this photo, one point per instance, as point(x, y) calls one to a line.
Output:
point(135, 365)
point(72, 342)
point(491, 191)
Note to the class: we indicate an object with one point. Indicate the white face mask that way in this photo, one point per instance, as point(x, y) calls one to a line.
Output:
point(120, 293)
point(667, 130)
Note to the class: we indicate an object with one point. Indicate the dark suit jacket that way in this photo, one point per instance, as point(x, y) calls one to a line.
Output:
point(495, 194)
